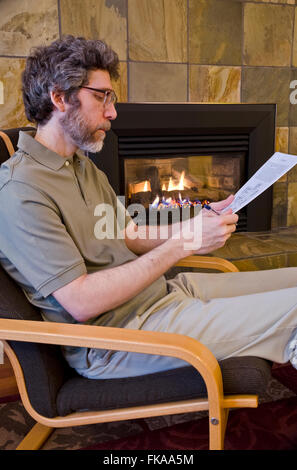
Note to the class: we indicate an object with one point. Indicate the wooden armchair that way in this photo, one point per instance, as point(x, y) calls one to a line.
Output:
point(56, 396)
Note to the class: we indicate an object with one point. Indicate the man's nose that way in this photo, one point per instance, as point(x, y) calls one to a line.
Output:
point(110, 112)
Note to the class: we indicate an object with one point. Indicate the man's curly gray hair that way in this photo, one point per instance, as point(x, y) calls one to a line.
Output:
point(62, 66)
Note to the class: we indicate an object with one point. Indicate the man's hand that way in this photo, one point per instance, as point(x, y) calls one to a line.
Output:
point(219, 206)
point(216, 232)
point(215, 229)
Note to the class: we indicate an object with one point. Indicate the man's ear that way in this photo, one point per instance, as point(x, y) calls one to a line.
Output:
point(58, 100)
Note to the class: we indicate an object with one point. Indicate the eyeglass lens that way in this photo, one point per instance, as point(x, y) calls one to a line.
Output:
point(110, 97)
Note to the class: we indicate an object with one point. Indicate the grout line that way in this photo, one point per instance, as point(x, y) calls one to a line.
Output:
point(278, 253)
point(289, 116)
point(59, 18)
point(13, 56)
point(257, 2)
point(293, 33)
point(242, 52)
point(212, 64)
point(127, 53)
point(188, 51)
point(157, 62)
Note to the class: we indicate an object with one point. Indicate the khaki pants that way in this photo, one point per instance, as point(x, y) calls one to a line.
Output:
point(233, 314)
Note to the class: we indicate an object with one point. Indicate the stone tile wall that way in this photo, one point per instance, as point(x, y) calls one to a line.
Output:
point(211, 51)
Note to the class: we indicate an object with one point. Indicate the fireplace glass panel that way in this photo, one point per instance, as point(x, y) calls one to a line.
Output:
point(198, 177)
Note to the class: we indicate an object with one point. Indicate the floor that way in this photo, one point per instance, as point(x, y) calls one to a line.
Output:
point(251, 251)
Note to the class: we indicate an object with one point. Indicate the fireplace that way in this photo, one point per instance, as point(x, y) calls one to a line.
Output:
point(190, 152)
point(210, 177)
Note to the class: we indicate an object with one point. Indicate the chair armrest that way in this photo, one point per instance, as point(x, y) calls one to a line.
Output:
point(208, 262)
point(122, 339)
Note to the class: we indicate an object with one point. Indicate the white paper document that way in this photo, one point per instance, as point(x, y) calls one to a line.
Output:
point(268, 174)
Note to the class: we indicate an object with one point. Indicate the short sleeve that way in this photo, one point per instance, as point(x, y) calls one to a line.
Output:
point(35, 240)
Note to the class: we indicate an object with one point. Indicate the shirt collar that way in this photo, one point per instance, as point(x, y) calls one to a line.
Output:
point(39, 152)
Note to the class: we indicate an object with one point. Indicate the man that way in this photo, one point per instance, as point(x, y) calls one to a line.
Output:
point(48, 200)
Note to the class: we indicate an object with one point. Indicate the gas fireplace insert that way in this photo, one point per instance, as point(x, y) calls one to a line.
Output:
point(181, 153)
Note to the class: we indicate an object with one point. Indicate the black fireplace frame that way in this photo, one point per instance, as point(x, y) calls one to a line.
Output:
point(242, 126)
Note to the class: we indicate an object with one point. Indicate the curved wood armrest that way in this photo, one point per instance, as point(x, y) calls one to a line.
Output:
point(208, 262)
point(103, 337)
point(122, 339)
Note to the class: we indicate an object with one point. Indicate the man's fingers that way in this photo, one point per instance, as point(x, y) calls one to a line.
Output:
point(228, 212)
point(229, 218)
point(220, 205)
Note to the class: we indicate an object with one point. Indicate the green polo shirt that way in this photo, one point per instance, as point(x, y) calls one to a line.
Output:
point(49, 210)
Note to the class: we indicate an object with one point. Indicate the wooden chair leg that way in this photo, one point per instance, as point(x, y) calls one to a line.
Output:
point(217, 429)
point(35, 439)
point(225, 414)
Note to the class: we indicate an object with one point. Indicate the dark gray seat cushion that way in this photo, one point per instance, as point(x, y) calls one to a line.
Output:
point(243, 375)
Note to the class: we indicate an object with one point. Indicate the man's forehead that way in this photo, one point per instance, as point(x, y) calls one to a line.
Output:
point(99, 79)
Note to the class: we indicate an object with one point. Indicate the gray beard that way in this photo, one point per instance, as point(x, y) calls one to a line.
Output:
point(75, 126)
point(92, 147)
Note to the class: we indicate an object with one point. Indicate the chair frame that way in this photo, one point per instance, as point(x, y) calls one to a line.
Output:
point(148, 342)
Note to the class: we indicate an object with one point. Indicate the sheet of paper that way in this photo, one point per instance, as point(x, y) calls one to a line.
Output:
point(268, 174)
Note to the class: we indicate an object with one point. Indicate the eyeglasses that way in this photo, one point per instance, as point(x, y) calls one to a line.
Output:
point(109, 95)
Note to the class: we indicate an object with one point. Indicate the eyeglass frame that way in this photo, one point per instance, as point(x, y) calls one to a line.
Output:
point(111, 93)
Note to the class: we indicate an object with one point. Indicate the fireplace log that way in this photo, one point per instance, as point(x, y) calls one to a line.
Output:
point(142, 197)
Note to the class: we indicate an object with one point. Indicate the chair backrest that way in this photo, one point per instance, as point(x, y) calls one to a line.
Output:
point(44, 380)
point(8, 141)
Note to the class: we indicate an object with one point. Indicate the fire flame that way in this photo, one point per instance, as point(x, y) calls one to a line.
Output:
point(162, 202)
point(156, 202)
point(179, 186)
point(145, 186)
point(142, 187)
